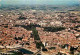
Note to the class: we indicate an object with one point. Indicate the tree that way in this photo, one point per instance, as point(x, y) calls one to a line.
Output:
point(37, 38)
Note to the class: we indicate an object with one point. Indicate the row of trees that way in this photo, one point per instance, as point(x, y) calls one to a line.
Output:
point(38, 42)
point(53, 29)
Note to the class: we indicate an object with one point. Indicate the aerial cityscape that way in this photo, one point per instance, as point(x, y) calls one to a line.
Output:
point(39, 27)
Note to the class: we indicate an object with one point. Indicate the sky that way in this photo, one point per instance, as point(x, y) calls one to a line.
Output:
point(41, 2)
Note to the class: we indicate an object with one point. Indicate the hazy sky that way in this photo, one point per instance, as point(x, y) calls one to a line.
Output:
point(48, 2)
